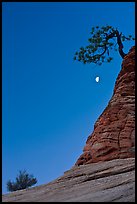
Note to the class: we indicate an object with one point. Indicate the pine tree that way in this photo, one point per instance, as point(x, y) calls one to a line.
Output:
point(23, 181)
point(102, 40)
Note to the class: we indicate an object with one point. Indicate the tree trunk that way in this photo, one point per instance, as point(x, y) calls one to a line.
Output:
point(120, 44)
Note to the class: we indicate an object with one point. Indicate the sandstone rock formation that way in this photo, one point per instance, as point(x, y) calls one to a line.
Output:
point(108, 181)
point(114, 131)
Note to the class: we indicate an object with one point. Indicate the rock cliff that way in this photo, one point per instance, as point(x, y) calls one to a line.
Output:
point(114, 131)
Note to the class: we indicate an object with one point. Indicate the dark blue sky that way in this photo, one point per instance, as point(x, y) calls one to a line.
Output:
point(50, 102)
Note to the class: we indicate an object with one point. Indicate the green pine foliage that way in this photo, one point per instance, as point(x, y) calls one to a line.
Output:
point(23, 181)
point(102, 41)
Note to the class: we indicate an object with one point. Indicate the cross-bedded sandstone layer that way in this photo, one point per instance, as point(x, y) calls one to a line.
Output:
point(108, 181)
point(114, 131)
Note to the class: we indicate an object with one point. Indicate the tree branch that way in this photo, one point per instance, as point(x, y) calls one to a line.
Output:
point(120, 44)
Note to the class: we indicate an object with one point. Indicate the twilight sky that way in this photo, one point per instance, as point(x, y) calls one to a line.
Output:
point(50, 102)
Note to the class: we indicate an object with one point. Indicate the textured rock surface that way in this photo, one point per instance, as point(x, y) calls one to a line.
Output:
point(114, 131)
point(108, 181)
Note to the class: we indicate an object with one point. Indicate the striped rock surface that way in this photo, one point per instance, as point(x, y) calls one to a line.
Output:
point(114, 131)
point(105, 181)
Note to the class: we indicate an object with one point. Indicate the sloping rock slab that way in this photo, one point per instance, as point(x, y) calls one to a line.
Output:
point(105, 181)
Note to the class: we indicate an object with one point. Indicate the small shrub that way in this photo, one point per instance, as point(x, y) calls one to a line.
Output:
point(23, 181)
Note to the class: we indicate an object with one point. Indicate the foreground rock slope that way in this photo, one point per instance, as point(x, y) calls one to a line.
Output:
point(106, 181)
point(105, 172)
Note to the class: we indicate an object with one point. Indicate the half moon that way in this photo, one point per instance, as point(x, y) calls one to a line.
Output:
point(97, 79)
